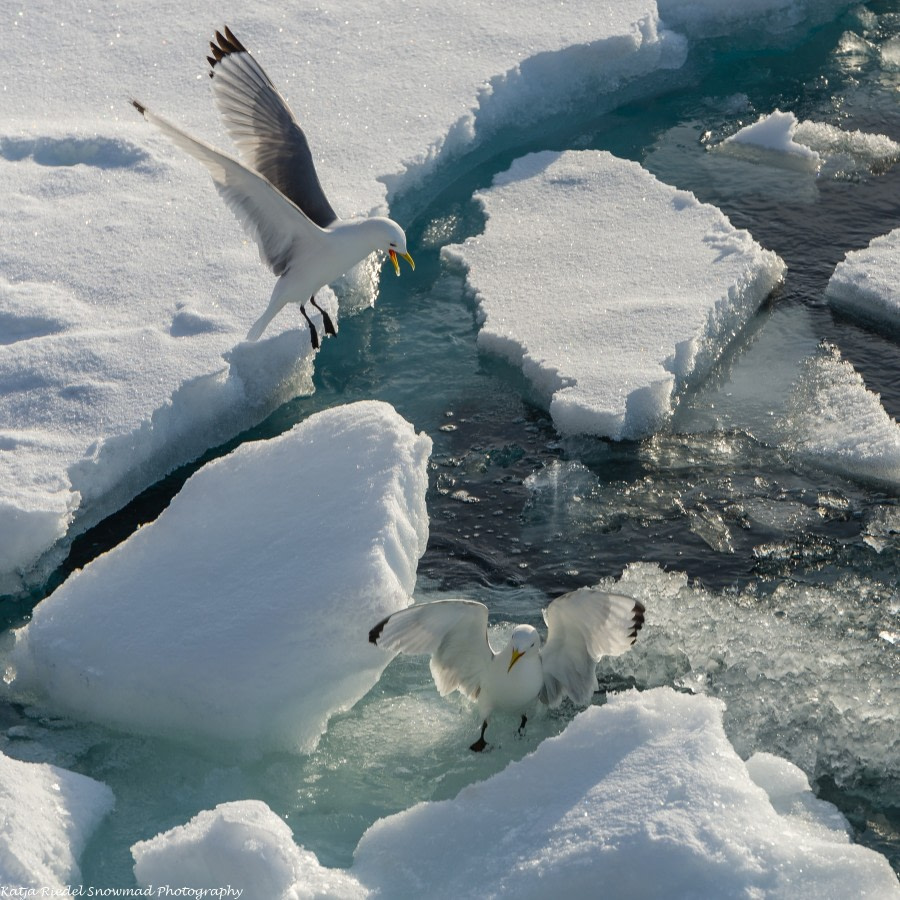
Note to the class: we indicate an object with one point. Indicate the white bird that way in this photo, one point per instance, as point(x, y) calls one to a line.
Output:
point(582, 626)
point(277, 196)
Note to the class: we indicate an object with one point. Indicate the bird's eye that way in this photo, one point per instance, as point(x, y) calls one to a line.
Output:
point(393, 244)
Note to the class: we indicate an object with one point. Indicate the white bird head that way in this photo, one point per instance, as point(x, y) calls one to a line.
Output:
point(524, 639)
point(394, 241)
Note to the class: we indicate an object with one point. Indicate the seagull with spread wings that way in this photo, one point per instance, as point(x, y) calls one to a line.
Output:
point(582, 626)
point(276, 195)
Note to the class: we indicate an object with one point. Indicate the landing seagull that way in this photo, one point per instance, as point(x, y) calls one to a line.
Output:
point(277, 196)
point(582, 626)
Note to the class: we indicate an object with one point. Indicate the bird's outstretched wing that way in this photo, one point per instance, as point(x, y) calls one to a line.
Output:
point(272, 220)
point(582, 626)
point(454, 632)
point(263, 127)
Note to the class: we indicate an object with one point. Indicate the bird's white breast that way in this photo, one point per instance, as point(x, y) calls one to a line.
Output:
point(514, 690)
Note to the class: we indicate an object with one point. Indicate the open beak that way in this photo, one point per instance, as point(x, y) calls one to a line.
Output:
point(396, 263)
point(516, 656)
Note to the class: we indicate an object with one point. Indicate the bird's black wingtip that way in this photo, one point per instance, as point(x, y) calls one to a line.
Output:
point(225, 43)
point(138, 106)
point(375, 633)
point(637, 619)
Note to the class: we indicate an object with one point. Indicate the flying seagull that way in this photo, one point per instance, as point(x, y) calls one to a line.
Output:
point(275, 193)
point(582, 626)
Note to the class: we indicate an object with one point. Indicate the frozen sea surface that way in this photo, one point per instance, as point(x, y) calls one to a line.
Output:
point(770, 570)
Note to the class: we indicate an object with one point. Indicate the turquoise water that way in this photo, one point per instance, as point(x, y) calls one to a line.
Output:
point(519, 514)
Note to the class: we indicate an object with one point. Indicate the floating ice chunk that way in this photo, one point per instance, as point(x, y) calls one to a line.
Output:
point(771, 139)
point(779, 139)
point(243, 846)
point(837, 422)
point(866, 285)
point(240, 614)
point(48, 814)
point(649, 776)
point(611, 290)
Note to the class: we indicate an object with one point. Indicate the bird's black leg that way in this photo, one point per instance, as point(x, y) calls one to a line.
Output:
point(522, 724)
point(326, 319)
point(313, 334)
point(481, 743)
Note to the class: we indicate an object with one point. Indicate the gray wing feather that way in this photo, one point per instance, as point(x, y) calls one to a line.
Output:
point(272, 220)
point(582, 626)
point(264, 129)
point(454, 632)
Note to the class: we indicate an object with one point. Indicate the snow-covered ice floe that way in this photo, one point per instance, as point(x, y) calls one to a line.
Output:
point(779, 139)
point(47, 815)
point(613, 292)
point(866, 284)
point(837, 422)
point(241, 614)
point(645, 794)
point(125, 280)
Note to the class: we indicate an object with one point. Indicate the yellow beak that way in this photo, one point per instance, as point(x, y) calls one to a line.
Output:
point(516, 656)
point(394, 260)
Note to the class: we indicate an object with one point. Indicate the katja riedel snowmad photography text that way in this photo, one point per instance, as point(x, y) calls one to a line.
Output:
point(164, 890)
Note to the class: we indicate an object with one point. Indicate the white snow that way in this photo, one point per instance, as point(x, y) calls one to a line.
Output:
point(47, 815)
point(866, 284)
point(779, 139)
point(124, 278)
point(644, 793)
point(611, 290)
point(242, 613)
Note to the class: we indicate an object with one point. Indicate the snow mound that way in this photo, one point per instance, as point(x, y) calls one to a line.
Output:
point(243, 846)
point(47, 815)
point(645, 793)
point(779, 139)
point(866, 284)
point(240, 613)
point(837, 422)
point(611, 290)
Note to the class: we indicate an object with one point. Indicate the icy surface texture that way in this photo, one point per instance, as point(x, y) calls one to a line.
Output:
point(47, 815)
point(866, 285)
point(779, 139)
point(242, 613)
point(611, 290)
point(838, 423)
point(810, 672)
point(125, 279)
point(649, 776)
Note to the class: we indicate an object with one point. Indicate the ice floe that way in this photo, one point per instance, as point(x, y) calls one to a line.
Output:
point(779, 139)
point(241, 614)
point(645, 793)
point(611, 290)
point(47, 815)
point(866, 284)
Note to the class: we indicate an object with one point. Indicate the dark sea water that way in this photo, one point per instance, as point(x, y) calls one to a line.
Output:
point(519, 513)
